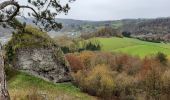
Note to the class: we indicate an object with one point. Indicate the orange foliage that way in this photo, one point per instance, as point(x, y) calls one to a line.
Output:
point(75, 62)
point(86, 58)
point(148, 64)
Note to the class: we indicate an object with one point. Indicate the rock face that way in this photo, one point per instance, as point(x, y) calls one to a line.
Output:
point(4, 95)
point(43, 62)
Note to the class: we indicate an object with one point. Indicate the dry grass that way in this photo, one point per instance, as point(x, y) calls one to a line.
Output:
point(35, 94)
point(27, 87)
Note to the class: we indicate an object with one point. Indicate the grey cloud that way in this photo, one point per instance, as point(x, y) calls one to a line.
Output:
point(117, 9)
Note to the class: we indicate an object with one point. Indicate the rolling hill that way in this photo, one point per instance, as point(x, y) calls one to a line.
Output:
point(135, 26)
point(133, 46)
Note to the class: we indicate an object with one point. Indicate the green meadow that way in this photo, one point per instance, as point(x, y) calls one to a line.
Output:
point(22, 85)
point(133, 47)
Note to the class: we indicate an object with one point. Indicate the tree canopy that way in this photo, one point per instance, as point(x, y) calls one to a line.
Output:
point(43, 12)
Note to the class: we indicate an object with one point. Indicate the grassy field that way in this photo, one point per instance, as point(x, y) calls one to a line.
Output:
point(133, 46)
point(22, 86)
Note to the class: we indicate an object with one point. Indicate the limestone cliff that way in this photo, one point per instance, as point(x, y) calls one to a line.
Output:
point(35, 52)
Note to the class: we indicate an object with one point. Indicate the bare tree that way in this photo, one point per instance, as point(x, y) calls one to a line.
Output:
point(43, 13)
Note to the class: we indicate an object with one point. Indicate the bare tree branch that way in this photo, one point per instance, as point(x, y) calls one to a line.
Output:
point(31, 9)
point(7, 3)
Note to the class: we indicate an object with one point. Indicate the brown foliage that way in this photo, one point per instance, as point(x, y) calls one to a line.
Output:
point(86, 58)
point(99, 81)
point(75, 62)
point(127, 74)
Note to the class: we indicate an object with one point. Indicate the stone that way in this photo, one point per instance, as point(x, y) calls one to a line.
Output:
point(44, 63)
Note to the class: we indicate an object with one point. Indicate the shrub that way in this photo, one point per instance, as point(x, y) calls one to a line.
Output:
point(75, 62)
point(10, 71)
point(121, 62)
point(91, 45)
point(103, 58)
point(99, 81)
point(86, 57)
point(125, 85)
point(166, 82)
point(131, 77)
point(152, 82)
point(162, 58)
point(65, 49)
point(126, 34)
point(134, 66)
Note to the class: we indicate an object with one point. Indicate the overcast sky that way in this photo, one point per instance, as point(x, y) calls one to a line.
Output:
point(117, 9)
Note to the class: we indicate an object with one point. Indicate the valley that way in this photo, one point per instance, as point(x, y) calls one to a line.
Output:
point(84, 50)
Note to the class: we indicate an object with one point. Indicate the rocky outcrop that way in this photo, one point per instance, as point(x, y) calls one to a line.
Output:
point(4, 95)
point(36, 53)
point(47, 63)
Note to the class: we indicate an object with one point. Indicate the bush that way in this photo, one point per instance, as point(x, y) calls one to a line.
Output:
point(75, 62)
point(162, 58)
point(91, 45)
point(126, 34)
point(123, 62)
point(86, 58)
point(10, 72)
point(131, 77)
point(152, 82)
point(65, 49)
point(103, 58)
point(99, 81)
point(166, 82)
point(125, 85)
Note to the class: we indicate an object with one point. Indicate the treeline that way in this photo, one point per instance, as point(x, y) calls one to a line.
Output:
point(102, 32)
point(120, 76)
point(157, 38)
point(71, 45)
point(156, 27)
point(153, 30)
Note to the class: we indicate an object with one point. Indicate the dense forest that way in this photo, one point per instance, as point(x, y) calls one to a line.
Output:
point(146, 26)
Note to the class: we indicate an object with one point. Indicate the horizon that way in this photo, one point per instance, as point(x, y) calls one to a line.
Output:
point(115, 19)
point(110, 20)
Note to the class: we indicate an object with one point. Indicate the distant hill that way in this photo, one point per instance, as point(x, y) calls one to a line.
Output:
point(135, 26)
point(147, 26)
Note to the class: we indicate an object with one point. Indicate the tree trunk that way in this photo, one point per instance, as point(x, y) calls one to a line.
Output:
point(4, 95)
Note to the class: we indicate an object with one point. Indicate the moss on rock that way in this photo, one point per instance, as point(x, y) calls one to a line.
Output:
point(29, 39)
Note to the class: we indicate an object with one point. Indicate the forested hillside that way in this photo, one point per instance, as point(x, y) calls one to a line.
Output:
point(146, 26)
point(135, 26)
